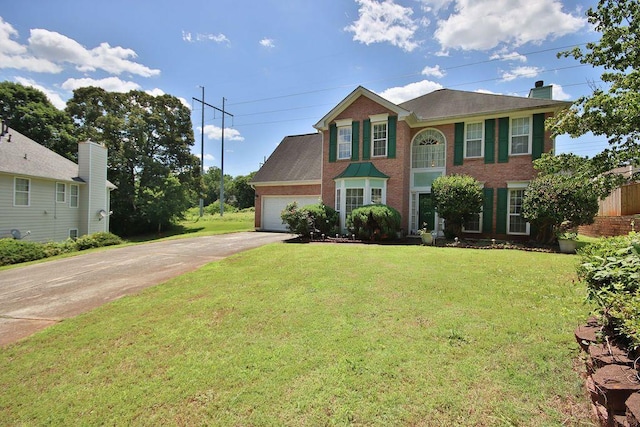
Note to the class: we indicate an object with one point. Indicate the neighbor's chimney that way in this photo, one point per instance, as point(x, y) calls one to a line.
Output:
point(541, 91)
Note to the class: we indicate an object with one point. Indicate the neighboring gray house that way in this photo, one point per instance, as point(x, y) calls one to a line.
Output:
point(46, 197)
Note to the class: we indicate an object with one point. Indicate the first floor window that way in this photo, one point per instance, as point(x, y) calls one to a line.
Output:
point(344, 142)
point(516, 224)
point(337, 200)
point(473, 140)
point(73, 233)
point(376, 196)
point(379, 139)
point(61, 192)
point(473, 225)
point(74, 195)
point(354, 199)
point(21, 192)
point(520, 135)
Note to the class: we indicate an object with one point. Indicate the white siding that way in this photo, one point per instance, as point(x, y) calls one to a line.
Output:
point(92, 163)
point(44, 218)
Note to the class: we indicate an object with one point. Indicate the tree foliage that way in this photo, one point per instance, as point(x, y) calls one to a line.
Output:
point(613, 111)
point(317, 218)
point(457, 199)
point(149, 139)
point(28, 111)
point(374, 222)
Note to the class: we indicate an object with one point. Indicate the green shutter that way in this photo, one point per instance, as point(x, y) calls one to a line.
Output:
point(391, 150)
point(503, 140)
point(458, 144)
point(366, 139)
point(490, 141)
point(501, 215)
point(537, 146)
point(355, 140)
point(487, 210)
point(333, 142)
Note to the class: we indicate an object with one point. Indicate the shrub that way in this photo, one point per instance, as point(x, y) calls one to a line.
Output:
point(17, 251)
point(57, 248)
point(458, 198)
point(324, 219)
point(611, 270)
point(97, 240)
point(374, 221)
point(296, 219)
point(214, 208)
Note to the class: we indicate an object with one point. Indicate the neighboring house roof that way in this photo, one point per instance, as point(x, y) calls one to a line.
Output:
point(445, 104)
point(361, 170)
point(296, 159)
point(20, 155)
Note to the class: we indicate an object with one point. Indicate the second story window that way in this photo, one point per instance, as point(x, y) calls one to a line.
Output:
point(21, 192)
point(473, 140)
point(61, 194)
point(520, 136)
point(379, 139)
point(344, 142)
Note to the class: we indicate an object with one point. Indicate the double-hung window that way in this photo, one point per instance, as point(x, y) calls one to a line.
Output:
point(61, 192)
point(21, 192)
point(344, 142)
point(520, 136)
point(473, 140)
point(376, 196)
point(516, 224)
point(379, 139)
point(354, 199)
point(74, 195)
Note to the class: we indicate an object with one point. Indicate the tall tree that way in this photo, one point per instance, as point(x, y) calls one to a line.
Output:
point(615, 111)
point(28, 111)
point(211, 184)
point(242, 192)
point(149, 139)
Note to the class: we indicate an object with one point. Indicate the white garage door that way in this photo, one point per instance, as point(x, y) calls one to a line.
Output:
point(272, 208)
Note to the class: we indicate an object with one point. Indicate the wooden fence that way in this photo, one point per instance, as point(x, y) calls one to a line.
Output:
point(622, 201)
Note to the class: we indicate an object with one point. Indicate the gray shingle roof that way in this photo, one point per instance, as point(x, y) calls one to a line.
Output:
point(448, 103)
point(296, 158)
point(20, 155)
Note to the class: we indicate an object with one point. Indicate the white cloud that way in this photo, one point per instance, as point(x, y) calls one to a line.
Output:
point(508, 56)
point(400, 94)
point(558, 93)
point(15, 55)
point(516, 73)
point(433, 71)
point(268, 43)
point(203, 37)
point(488, 92)
point(54, 97)
point(110, 84)
point(485, 24)
point(385, 21)
point(186, 36)
point(155, 92)
point(215, 132)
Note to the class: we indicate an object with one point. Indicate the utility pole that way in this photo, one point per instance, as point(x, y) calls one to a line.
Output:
point(201, 101)
point(202, 153)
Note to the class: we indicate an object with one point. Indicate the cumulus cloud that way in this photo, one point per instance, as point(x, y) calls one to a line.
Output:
point(268, 43)
point(384, 22)
point(203, 37)
point(215, 132)
point(508, 56)
point(558, 93)
point(53, 96)
point(14, 55)
point(485, 24)
point(517, 72)
point(110, 84)
point(433, 71)
point(400, 94)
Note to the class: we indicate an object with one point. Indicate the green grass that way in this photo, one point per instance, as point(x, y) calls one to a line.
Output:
point(318, 334)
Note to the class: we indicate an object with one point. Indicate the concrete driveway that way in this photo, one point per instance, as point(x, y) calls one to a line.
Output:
point(37, 296)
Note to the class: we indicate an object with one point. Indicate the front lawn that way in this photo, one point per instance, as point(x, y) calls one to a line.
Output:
point(318, 334)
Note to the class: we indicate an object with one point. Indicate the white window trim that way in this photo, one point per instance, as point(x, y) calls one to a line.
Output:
point(480, 216)
point(77, 234)
point(530, 135)
point(341, 191)
point(444, 143)
point(15, 179)
point(71, 197)
point(344, 123)
point(481, 155)
point(64, 192)
point(516, 185)
point(386, 139)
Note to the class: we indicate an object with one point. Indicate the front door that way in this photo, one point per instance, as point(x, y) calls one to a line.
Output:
point(426, 211)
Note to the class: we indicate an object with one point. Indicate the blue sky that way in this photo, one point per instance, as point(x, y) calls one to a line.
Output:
point(283, 64)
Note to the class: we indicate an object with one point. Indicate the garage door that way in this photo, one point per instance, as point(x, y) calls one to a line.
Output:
point(272, 208)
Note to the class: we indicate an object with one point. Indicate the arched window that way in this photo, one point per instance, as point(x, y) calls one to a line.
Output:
point(428, 150)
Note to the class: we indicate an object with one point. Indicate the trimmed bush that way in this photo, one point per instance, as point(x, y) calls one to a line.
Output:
point(374, 222)
point(97, 240)
point(458, 198)
point(317, 218)
point(17, 251)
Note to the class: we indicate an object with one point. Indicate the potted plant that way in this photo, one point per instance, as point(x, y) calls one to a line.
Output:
point(567, 237)
point(426, 235)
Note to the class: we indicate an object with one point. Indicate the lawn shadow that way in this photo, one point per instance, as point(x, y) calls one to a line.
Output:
point(175, 230)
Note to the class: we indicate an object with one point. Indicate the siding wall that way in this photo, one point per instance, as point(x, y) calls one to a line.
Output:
point(92, 164)
point(46, 219)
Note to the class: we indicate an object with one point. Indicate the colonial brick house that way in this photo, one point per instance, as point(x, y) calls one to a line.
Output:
point(370, 150)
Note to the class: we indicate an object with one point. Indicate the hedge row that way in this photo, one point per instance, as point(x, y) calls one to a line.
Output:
point(18, 251)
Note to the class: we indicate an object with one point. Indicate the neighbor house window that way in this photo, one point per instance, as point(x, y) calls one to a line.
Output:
point(428, 150)
point(376, 196)
point(473, 140)
point(354, 199)
point(61, 192)
point(344, 142)
point(379, 139)
point(21, 192)
point(74, 195)
point(516, 224)
point(520, 136)
point(73, 233)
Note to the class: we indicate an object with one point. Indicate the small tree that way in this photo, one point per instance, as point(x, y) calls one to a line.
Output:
point(374, 221)
point(457, 199)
